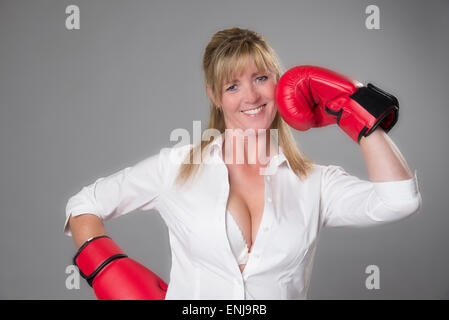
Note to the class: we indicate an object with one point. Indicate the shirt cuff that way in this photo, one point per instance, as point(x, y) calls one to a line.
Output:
point(393, 191)
point(75, 209)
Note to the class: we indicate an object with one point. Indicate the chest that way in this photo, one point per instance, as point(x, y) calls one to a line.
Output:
point(246, 202)
point(282, 211)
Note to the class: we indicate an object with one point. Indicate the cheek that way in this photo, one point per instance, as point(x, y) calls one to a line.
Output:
point(231, 104)
point(270, 90)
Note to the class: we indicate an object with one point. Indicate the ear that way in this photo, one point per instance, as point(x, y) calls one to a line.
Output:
point(211, 96)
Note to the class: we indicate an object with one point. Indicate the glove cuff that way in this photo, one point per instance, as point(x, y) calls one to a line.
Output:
point(94, 255)
point(382, 106)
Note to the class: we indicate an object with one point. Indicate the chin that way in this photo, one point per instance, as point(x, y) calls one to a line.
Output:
point(260, 127)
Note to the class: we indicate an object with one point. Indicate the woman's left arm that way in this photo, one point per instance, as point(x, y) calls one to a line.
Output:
point(383, 158)
point(391, 195)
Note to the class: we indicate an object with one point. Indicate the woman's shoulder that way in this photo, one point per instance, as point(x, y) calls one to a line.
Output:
point(176, 150)
point(174, 156)
point(327, 170)
point(327, 167)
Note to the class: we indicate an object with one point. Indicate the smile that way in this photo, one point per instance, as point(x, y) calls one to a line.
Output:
point(254, 112)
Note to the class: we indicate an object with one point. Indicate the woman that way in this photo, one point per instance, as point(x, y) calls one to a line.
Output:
point(244, 220)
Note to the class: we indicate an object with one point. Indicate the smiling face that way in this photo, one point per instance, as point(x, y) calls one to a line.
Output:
point(248, 100)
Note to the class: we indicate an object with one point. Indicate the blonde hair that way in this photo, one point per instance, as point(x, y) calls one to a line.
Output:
point(227, 54)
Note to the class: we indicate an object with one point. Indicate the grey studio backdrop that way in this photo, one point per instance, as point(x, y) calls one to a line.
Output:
point(77, 105)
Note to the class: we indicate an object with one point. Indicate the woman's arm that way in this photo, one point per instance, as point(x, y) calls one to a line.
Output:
point(383, 159)
point(84, 227)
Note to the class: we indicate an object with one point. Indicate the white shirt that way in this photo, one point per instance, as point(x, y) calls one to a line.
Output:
point(236, 239)
point(280, 263)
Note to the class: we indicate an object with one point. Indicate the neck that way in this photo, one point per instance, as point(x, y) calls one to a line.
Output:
point(248, 150)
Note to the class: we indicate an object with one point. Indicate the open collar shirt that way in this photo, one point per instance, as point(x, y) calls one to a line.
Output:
point(295, 210)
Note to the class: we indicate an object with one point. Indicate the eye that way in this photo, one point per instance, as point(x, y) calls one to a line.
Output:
point(231, 88)
point(262, 78)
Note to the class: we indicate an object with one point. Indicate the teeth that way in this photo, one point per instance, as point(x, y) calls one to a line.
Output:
point(254, 111)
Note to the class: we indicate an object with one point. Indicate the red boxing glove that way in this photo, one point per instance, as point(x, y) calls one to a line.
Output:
point(113, 275)
point(310, 96)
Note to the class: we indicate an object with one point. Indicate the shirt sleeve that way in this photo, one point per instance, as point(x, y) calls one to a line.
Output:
point(349, 201)
point(132, 188)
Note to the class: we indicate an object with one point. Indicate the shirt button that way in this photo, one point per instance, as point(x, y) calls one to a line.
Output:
point(268, 178)
point(265, 229)
point(269, 199)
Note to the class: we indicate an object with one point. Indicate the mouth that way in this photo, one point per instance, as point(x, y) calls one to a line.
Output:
point(255, 111)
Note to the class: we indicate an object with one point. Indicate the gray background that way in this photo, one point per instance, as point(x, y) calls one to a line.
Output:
point(82, 104)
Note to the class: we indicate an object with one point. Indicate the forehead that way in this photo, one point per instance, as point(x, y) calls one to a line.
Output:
point(250, 71)
point(241, 67)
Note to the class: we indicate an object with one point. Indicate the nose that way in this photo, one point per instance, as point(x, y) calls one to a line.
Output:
point(252, 94)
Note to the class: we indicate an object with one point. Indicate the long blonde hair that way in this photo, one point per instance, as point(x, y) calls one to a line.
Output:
point(226, 54)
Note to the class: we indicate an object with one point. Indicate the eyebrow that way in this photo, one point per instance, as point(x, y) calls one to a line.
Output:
point(235, 80)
